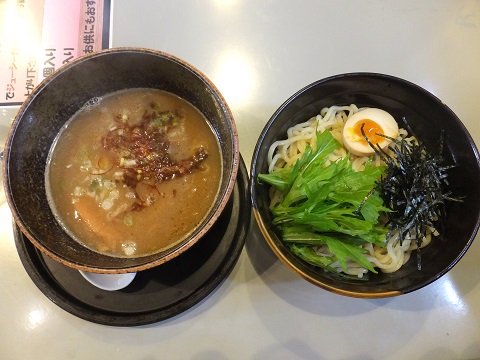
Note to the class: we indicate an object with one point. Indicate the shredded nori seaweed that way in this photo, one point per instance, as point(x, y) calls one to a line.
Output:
point(414, 187)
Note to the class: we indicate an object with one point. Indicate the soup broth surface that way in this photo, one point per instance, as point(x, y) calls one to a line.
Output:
point(134, 173)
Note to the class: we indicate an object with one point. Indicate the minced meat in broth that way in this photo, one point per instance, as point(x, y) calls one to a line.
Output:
point(135, 173)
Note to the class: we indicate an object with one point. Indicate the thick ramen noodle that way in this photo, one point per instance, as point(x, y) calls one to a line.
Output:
point(283, 154)
point(134, 173)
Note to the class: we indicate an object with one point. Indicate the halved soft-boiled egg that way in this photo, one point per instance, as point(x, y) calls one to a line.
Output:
point(375, 123)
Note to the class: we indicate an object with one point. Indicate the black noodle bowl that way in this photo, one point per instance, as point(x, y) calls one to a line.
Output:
point(427, 116)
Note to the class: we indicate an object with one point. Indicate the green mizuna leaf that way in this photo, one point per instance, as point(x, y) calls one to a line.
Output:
point(344, 251)
point(332, 205)
point(308, 255)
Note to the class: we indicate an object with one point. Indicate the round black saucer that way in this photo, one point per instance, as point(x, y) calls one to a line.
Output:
point(155, 294)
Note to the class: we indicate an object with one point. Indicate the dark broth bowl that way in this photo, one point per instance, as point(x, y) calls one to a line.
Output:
point(62, 94)
point(427, 116)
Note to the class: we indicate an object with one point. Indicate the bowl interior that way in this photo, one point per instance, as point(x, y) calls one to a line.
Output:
point(427, 116)
point(63, 94)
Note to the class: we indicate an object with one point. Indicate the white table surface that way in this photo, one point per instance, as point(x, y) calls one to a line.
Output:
point(259, 52)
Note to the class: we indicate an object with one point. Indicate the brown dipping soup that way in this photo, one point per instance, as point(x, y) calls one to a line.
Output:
point(134, 172)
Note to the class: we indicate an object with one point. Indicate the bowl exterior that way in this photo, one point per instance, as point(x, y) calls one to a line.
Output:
point(427, 116)
point(58, 98)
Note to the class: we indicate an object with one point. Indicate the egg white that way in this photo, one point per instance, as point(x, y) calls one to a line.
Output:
point(354, 143)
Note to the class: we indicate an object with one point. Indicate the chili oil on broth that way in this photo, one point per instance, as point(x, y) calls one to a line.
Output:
point(118, 215)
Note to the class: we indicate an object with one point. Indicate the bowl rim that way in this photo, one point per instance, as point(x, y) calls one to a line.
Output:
point(264, 227)
point(211, 217)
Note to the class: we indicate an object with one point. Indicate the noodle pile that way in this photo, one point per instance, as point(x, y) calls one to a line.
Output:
point(283, 154)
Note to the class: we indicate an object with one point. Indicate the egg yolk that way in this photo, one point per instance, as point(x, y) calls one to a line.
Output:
point(370, 128)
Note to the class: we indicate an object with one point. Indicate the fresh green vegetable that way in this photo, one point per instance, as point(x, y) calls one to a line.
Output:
point(328, 205)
